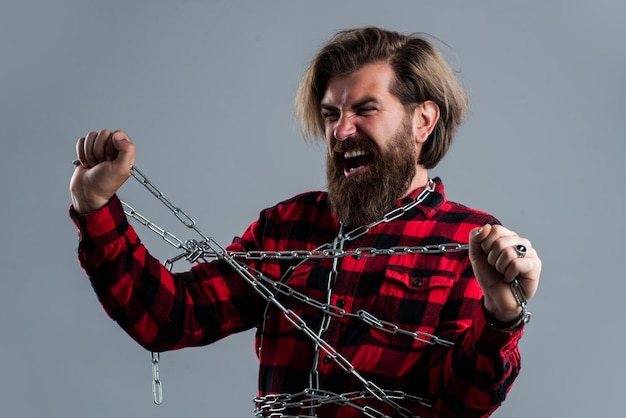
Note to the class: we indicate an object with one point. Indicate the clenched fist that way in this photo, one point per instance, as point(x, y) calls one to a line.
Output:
point(105, 160)
point(496, 263)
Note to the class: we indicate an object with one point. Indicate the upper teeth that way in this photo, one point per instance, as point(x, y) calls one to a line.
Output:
point(352, 154)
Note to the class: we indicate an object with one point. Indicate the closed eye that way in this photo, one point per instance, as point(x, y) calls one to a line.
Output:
point(330, 116)
point(366, 110)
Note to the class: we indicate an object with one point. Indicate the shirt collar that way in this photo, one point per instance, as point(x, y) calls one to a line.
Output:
point(433, 201)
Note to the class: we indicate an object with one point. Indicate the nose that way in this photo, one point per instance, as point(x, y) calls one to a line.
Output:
point(344, 128)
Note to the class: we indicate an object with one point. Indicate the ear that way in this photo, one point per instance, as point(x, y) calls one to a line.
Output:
point(425, 117)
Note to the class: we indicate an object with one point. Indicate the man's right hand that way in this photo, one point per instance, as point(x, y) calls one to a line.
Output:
point(105, 164)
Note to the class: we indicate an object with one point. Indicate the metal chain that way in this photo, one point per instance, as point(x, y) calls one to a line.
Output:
point(300, 325)
point(274, 405)
point(312, 397)
point(157, 386)
point(360, 252)
point(338, 243)
point(394, 214)
point(361, 314)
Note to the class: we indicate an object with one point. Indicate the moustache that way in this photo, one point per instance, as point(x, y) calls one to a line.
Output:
point(355, 143)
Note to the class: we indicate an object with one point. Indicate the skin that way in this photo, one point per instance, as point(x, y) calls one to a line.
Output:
point(358, 105)
point(105, 162)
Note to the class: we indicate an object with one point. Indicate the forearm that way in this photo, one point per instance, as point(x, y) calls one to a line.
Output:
point(152, 305)
point(474, 376)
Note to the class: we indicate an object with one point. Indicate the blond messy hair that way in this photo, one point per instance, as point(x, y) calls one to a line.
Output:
point(421, 74)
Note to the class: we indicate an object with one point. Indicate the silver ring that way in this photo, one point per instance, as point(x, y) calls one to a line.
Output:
point(76, 163)
point(520, 250)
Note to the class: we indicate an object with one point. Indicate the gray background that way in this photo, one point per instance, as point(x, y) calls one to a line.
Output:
point(205, 89)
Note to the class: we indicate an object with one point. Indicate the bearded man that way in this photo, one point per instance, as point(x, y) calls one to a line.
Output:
point(379, 319)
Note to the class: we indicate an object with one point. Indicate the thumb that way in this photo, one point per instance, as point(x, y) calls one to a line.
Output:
point(125, 149)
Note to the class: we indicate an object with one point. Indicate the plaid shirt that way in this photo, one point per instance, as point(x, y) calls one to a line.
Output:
point(432, 293)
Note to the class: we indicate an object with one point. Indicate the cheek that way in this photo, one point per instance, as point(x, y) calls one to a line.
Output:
point(330, 140)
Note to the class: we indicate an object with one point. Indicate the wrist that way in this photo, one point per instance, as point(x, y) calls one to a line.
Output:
point(84, 206)
point(501, 312)
point(508, 324)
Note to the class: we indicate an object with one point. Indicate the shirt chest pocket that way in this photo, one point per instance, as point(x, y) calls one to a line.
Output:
point(408, 306)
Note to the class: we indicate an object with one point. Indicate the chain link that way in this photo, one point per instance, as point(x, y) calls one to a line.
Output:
point(313, 397)
point(157, 385)
point(520, 298)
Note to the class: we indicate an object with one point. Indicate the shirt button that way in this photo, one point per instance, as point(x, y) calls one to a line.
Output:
point(327, 359)
point(417, 282)
point(341, 304)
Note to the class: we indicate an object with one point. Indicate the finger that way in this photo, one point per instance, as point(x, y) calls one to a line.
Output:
point(508, 265)
point(513, 266)
point(80, 151)
point(506, 246)
point(88, 149)
point(110, 153)
point(99, 145)
point(495, 238)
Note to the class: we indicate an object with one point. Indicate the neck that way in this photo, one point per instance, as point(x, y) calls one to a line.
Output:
point(419, 180)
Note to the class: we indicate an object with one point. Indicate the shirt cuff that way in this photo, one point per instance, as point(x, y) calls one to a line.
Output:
point(102, 226)
point(490, 340)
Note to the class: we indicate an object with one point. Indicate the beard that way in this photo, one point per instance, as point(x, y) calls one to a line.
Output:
point(368, 196)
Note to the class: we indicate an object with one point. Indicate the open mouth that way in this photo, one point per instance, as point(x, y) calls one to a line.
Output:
point(356, 161)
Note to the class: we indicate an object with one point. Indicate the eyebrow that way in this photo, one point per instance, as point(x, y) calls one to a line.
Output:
point(364, 101)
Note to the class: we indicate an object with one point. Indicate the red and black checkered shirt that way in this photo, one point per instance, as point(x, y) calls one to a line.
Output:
point(432, 293)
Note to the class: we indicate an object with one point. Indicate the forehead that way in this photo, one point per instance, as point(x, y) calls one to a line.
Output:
point(371, 81)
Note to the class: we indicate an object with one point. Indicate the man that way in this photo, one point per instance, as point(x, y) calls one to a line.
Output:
point(378, 319)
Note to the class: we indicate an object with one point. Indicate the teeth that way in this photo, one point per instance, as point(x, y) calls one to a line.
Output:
point(352, 154)
point(350, 170)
